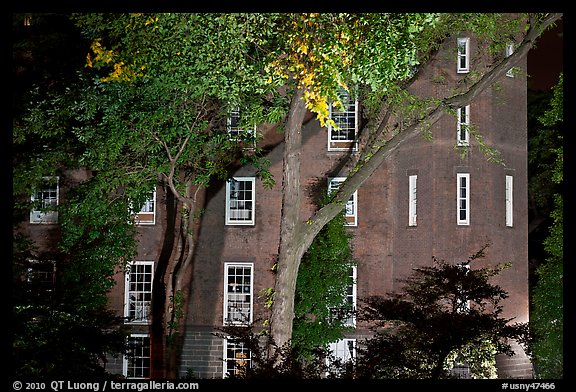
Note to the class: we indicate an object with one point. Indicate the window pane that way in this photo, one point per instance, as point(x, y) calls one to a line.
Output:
point(238, 294)
point(240, 208)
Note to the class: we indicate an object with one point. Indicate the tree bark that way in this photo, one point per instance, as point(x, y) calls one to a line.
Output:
point(289, 251)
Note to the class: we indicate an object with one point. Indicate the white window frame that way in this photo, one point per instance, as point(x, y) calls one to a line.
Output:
point(509, 50)
point(412, 200)
point(234, 131)
point(335, 140)
point(349, 302)
point(236, 292)
point(463, 200)
point(509, 191)
point(37, 216)
point(463, 42)
point(41, 274)
point(126, 361)
point(351, 208)
point(242, 357)
point(351, 298)
point(147, 213)
point(138, 302)
point(343, 349)
point(235, 215)
point(463, 126)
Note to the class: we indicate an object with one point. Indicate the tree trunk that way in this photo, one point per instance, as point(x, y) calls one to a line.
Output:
point(171, 277)
point(290, 250)
point(157, 330)
point(178, 282)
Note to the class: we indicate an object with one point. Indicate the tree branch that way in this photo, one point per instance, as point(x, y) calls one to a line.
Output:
point(364, 170)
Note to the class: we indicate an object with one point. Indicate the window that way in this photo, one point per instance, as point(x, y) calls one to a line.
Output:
point(463, 126)
point(351, 298)
point(147, 214)
point(240, 201)
point(343, 349)
point(463, 198)
point(236, 132)
point(412, 200)
point(41, 276)
point(137, 360)
point(238, 293)
point(138, 292)
point(463, 55)
point(509, 200)
point(44, 201)
point(346, 312)
point(343, 136)
point(237, 357)
point(509, 51)
point(351, 209)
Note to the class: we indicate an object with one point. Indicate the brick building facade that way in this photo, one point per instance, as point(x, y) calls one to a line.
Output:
point(426, 200)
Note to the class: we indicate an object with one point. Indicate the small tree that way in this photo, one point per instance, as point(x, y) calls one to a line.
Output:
point(445, 312)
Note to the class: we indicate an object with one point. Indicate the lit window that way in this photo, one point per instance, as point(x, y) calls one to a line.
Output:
point(147, 214)
point(412, 200)
point(463, 198)
point(351, 209)
point(343, 137)
point(351, 298)
point(346, 313)
point(509, 51)
point(238, 293)
point(509, 200)
point(240, 201)
point(237, 357)
point(235, 131)
point(343, 350)
point(137, 360)
point(138, 292)
point(44, 201)
point(41, 276)
point(463, 55)
point(463, 126)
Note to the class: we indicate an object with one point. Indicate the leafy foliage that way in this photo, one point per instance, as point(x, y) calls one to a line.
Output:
point(61, 325)
point(62, 329)
point(323, 279)
point(269, 361)
point(547, 320)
